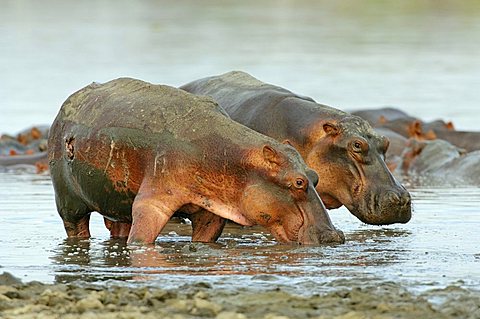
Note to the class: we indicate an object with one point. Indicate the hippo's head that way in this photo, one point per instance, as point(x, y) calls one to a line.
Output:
point(280, 195)
point(349, 156)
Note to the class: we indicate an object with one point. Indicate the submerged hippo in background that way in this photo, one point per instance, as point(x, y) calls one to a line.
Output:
point(439, 163)
point(343, 149)
point(401, 123)
point(27, 148)
point(137, 153)
point(469, 141)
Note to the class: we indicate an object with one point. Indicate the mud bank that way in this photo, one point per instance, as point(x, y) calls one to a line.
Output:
point(202, 300)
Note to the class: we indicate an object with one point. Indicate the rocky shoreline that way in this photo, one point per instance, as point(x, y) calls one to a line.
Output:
point(387, 300)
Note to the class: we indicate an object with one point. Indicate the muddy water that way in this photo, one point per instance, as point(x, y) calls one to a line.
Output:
point(439, 247)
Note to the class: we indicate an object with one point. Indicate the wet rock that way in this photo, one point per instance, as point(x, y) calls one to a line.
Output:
point(53, 298)
point(89, 303)
point(201, 295)
point(7, 279)
point(273, 316)
point(230, 315)
point(205, 308)
point(180, 305)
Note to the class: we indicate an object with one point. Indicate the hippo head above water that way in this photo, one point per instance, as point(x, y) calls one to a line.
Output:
point(365, 185)
point(283, 198)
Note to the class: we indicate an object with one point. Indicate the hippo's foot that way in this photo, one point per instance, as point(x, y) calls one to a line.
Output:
point(78, 229)
point(117, 229)
point(206, 226)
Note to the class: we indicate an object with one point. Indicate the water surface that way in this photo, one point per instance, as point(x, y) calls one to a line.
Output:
point(438, 247)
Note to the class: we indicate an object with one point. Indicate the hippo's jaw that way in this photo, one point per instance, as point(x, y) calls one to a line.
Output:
point(384, 203)
point(317, 228)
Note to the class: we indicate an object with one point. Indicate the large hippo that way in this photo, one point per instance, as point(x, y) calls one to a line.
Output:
point(343, 149)
point(137, 153)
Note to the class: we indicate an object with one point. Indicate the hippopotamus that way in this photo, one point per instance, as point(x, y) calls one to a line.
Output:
point(439, 163)
point(397, 145)
point(402, 123)
point(343, 149)
point(27, 148)
point(137, 153)
point(28, 141)
point(467, 140)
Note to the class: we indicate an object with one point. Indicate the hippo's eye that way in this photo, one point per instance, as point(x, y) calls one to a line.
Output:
point(300, 183)
point(357, 146)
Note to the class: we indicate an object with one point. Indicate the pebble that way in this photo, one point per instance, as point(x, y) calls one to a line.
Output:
point(88, 303)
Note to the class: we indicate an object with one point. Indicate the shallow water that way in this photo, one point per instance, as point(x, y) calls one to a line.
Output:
point(438, 247)
point(421, 56)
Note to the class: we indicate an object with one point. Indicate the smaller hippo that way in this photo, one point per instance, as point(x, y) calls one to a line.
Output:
point(137, 153)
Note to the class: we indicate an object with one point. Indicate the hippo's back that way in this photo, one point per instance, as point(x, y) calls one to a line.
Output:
point(131, 103)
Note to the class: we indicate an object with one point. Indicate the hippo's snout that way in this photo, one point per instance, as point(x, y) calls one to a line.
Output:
point(396, 206)
point(315, 236)
point(389, 207)
point(384, 207)
point(333, 237)
point(402, 199)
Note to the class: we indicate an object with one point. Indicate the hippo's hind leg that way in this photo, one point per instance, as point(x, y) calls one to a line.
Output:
point(72, 209)
point(75, 215)
point(206, 226)
point(117, 229)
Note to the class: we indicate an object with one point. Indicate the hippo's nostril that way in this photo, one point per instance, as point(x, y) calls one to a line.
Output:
point(393, 197)
point(340, 237)
point(333, 237)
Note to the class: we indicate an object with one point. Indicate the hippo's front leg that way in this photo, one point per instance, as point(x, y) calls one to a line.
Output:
point(149, 214)
point(206, 226)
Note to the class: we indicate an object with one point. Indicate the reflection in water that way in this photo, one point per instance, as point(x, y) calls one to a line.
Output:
point(438, 247)
point(240, 252)
point(81, 259)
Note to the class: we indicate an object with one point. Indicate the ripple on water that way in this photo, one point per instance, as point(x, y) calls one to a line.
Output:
point(439, 246)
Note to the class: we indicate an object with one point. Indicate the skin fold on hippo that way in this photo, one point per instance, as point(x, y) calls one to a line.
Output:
point(137, 153)
point(343, 149)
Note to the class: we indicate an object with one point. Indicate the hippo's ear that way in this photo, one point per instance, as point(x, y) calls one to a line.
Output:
point(450, 126)
point(287, 142)
point(330, 128)
point(415, 129)
point(271, 155)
